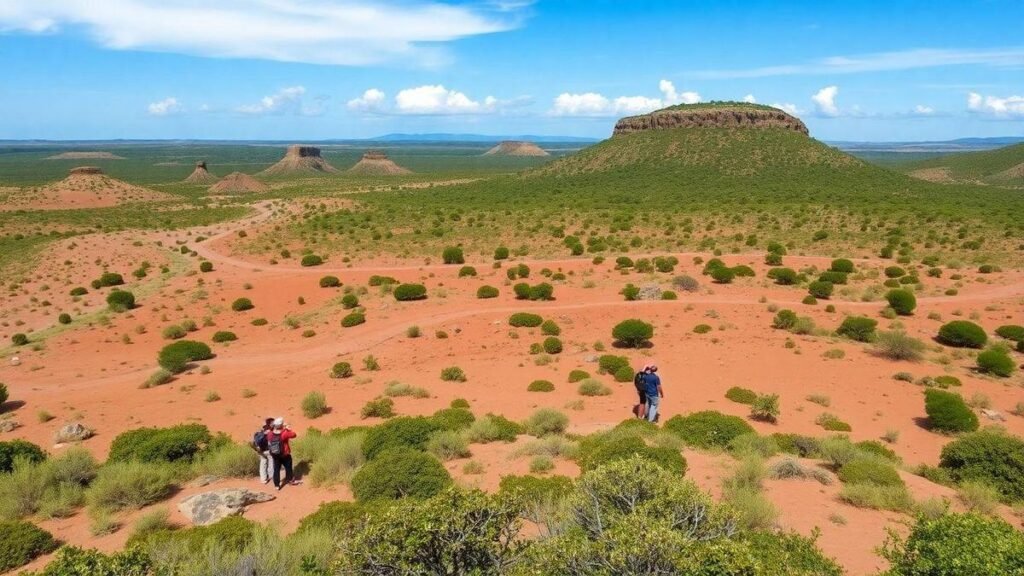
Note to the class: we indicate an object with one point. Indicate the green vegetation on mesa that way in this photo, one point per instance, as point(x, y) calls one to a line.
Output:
point(1001, 167)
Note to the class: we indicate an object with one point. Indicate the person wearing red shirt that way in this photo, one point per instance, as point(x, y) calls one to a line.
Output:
point(279, 445)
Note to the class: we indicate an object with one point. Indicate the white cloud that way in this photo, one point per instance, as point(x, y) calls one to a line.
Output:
point(881, 61)
point(373, 100)
point(1008, 107)
point(596, 105)
point(284, 101)
point(825, 101)
point(787, 108)
point(337, 32)
point(922, 110)
point(165, 107)
point(749, 99)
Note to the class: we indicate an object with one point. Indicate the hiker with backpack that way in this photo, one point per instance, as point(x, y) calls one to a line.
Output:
point(640, 383)
point(279, 447)
point(654, 392)
point(259, 444)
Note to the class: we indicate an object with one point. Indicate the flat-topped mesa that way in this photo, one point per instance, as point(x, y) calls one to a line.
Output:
point(201, 175)
point(377, 163)
point(738, 115)
point(300, 159)
point(86, 171)
point(374, 155)
point(516, 148)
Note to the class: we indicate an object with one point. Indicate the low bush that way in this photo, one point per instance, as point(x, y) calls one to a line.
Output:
point(550, 328)
point(541, 386)
point(962, 334)
point(708, 429)
point(996, 361)
point(610, 364)
point(842, 265)
point(131, 485)
point(493, 428)
point(894, 272)
point(173, 332)
point(765, 407)
point(546, 421)
point(206, 266)
point(592, 387)
point(832, 423)
point(22, 542)
point(784, 319)
point(453, 374)
point(120, 300)
point(873, 496)
point(13, 450)
point(400, 473)
point(401, 432)
point(173, 444)
point(448, 445)
point(223, 336)
point(870, 470)
point(947, 412)
point(376, 280)
point(820, 289)
point(501, 253)
point(410, 292)
point(311, 260)
point(453, 418)
point(485, 292)
point(858, 328)
point(525, 320)
point(633, 333)
point(229, 461)
point(902, 301)
point(335, 518)
point(1011, 332)
point(783, 276)
point(741, 395)
point(578, 375)
point(176, 356)
point(242, 304)
point(64, 318)
point(955, 544)
point(897, 345)
point(686, 283)
point(314, 404)
point(108, 279)
point(722, 275)
point(353, 319)
point(79, 291)
point(330, 282)
point(833, 277)
point(991, 456)
point(453, 255)
point(341, 370)
point(467, 271)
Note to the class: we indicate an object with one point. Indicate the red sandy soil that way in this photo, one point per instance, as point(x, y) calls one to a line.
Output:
point(87, 372)
point(81, 191)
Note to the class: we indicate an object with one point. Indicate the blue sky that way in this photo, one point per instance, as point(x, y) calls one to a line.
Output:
point(305, 70)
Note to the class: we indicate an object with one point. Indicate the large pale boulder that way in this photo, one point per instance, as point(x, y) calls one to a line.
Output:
point(209, 507)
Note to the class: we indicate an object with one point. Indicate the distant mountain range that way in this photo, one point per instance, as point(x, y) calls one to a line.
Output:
point(958, 145)
point(446, 137)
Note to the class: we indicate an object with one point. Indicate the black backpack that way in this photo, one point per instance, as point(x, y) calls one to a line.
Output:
point(640, 382)
point(274, 444)
point(259, 441)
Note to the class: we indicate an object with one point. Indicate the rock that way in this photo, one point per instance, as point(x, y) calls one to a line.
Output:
point(209, 507)
point(73, 432)
point(9, 425)
point(993, 415)
point(731, 115)
point(591, 358)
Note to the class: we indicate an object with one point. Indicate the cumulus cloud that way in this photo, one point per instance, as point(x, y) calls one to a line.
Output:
point(165, 107)
point(284, 101)
point(825, 101)
point(431, 100)
point(787, 107)
point(749, 99)
point(1010, 107)
point(338, 32)
point(922, 110)
point(596, 105)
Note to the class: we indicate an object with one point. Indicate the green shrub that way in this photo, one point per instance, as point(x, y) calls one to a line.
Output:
point(79, 291)
point(501, 253)
point(229, 461)
point(578, 375)
point(341, 370)
point(832, 423)
point(349, 301)
point(783, 276)
point(1011, 332)
point(701, 329)
point(401, 432)
point(330, 282)
point(878, 449)
point(996, 361)
point(722, 275)
point(353, 319)
point(173, 332)
point(962, 334)
point(833, 277)
point(448, 445)
point(541, 386)
point(453, 374)
point(176, 443)
point(546, 421)
point(453, 418)
point(120, 300)
point(311, 260)
point(525, 320)
point(314, 404)
point(552, 345)
point(955, 545)
point(493, 428)
point(873, 496)
point(858, 328)
point(765, 407)
point(820, 289)
point(130, 485)
point(176, 356)
point(741, 395)
point(990, 456)
point(550, 328)
point(618, 448)
point(335, 518)
point(378, 408)
point(633, 333)
point(842, 265)
point(400, 473)
point(485, 292)
point(870, 470)
point(64, 318)
point(947, 412)
point(242, 304)
point(18, 449)
point(21, 543)
point(410, 292)
point(784, 319)
point(542, 292)
point(898, 345)
point(902, 301)
point(224, 336)
point(108, 279)
point(376, 280)
point(610, 364)
point(536, 489)
point(708, 429)
point(206, 266)
point(522, 291)
point(453, 255)
point(592, 387)
point(894, 272)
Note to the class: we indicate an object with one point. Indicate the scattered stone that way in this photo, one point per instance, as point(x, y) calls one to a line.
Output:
point(591, 358)
point(73, 432)
point(209, 507)
point(9, 425)
point(993, 415)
